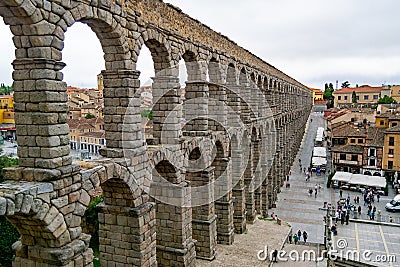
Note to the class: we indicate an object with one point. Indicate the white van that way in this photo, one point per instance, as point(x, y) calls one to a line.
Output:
point(393, 205)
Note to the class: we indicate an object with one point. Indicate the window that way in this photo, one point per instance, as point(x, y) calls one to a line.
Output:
point(391, 151)
point(345, 97)
point(381, 122)
point(371, 162)
point(391, 141)
point(339, 97)
point(342, 156)
point(371, 152)
point(390, 164)
point(394, 124)
point(360, 141)
point(354, 157)
point(366, 97)
point(376, 97)
point(353, 141)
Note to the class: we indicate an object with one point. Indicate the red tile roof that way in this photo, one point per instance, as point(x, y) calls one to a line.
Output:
point(361, 89)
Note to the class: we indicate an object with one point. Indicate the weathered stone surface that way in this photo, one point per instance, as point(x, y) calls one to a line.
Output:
point(52, 194)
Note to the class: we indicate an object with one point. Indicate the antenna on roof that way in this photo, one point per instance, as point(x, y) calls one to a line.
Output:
point(337, 84)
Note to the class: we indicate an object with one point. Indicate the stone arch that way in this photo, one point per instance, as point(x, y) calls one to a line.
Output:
point(16, 13)
point(214, 71)
point(160, 50)
point(191, 58)
point(242, 76)
point(231, 75)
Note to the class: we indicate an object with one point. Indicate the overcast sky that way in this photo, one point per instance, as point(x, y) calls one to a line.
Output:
point(314, 41)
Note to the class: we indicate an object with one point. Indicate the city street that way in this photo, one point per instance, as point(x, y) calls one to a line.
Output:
point(303, 212)
point(294, 205)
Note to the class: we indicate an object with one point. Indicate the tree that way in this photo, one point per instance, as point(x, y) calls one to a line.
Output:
point(346, 84)
point(147, 114)
point(354, 97)
point(5, 90)
point(386, 100)
point(89, 116)
point(328, 95)
point(8, 233)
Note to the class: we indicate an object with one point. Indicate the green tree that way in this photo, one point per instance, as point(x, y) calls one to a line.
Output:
point(5, 90)
point(8, 234)
point(386, 100)
point(354, 97)
point(147, 114)
point(89, 116)
point(346, 84)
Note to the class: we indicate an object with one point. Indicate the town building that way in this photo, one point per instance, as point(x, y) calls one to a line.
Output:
point(365, 96)
point(318, 96)
point(7, 122)
point(86, 134)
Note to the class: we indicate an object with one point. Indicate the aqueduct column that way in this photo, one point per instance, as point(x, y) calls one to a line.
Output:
point(166, 110)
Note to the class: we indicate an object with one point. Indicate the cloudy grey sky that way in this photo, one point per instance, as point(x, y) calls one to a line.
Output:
point(313, 41)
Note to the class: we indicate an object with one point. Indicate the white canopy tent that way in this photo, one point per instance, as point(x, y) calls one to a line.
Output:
point(375, 181)
point(360, 179)
point(342, 177)
point(318, 161)
point(319, 152)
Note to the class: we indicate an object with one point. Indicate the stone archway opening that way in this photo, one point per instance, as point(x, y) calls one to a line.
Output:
point(83, 56)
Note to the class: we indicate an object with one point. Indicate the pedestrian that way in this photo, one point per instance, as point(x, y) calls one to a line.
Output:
point(340, 193)
point(290, 238)
point(347, 218)
point(373, 215)
point(359, 210)
point(355, 200)
point(299, 235)
point(358, 200)
point(295, 238)
point(274, 255)
point(378, 197)
point(337, 216)
point(305, 236)
point(391, 219)
point(342, 218)
point(315, 194)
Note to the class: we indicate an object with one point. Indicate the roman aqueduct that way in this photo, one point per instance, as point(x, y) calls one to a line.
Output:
point(216, 160)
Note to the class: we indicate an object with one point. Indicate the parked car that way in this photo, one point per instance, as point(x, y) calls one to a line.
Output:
point(393, 205)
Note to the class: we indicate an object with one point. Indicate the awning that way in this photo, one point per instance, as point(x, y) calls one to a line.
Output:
point(319, 152)
point(375, 181)
point(360, 179)
point(342, 177)
point(318, 161)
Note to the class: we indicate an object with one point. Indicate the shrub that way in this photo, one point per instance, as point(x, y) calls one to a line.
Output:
point(8, 235)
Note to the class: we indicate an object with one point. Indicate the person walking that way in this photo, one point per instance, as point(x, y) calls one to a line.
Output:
point(274, 255)
point(295, 238)
point(347, 218)
point(299, 234)
point(340, 193)
point(305, 236)
point(315, 194)
point(378, 197)
point(359, 209)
